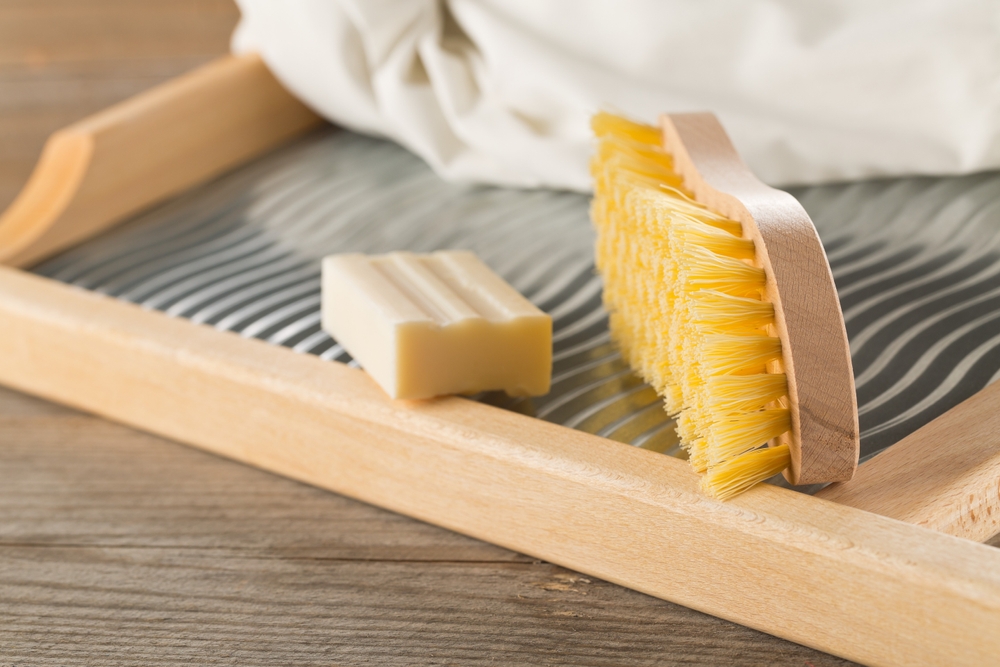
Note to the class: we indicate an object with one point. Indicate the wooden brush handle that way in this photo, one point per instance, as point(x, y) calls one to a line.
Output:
point(824, 440)
point(157, 144)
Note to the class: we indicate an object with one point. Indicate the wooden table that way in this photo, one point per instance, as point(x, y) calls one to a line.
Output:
point(117, 547)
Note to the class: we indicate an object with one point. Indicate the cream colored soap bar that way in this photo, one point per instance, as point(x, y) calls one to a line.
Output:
point(443, 323)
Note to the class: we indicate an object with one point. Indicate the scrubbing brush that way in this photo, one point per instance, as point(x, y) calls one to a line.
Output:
point(720, 295)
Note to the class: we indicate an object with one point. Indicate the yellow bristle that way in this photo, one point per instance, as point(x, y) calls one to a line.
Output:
point(641, 168)
point(607, 124)
point(688, 232)
point(737, 434)
point(649, 155)
point(721, 354)
point(695, 445)
point(687, 427)
point(685, 304)
point(674, 399)
point(724, 313)
point(728, 394)
point(620, 335)
point(668, 199)
point(704, 270)
point(739, 474)
point(729, 226)
point(698, 455)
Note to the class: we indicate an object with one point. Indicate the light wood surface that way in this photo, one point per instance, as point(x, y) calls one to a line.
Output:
point(159, 143)
point(944, 476)
point(832, 577)
point(824, 440)
point(119, 547)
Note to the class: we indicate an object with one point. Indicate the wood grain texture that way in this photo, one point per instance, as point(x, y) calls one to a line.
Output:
point(944, 476)
point(61, 60)
point(118, 547)
point(889, 593)
point(100, 170)
point(825, 438)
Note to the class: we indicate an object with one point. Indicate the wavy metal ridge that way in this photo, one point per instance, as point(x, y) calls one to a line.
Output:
point(916, 261)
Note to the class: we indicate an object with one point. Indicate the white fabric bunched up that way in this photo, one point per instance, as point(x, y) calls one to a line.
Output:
point(500, 91)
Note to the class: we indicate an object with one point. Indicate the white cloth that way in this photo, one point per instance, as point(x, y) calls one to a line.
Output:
point(501, 90)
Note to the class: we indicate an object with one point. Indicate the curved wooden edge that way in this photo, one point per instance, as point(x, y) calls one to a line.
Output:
point(159, 143)
point(56, 180)
point(945, 475)
point(824, 440)
point(832, 577)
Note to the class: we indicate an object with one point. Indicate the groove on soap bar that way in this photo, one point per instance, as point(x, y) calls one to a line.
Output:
point(422, 288)
point(418, 269)
point(456, 277)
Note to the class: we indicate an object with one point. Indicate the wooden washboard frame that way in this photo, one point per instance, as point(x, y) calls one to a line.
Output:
point(883, 570)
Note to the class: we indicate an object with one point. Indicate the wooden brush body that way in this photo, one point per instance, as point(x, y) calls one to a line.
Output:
point(824, 438)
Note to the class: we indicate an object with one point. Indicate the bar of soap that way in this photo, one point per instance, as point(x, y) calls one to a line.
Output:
point(441, 323)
